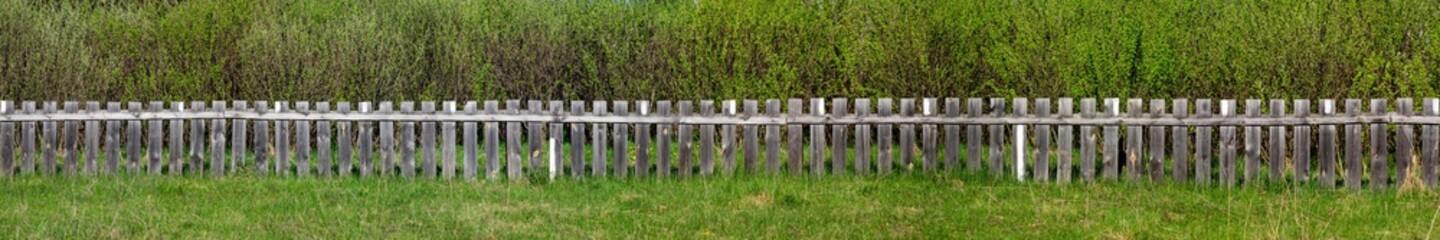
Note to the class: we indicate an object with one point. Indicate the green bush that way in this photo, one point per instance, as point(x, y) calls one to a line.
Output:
point(357, 50)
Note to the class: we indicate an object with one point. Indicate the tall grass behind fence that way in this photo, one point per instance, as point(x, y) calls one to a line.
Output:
point(465, 50)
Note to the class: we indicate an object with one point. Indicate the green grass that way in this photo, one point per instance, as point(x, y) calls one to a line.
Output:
point(902, 206)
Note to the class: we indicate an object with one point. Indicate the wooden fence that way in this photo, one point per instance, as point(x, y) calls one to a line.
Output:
point(1168, 140)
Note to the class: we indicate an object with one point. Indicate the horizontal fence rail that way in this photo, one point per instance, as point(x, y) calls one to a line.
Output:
point(1348, 142)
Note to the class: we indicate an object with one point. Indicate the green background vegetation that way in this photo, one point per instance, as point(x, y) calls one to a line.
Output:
point(356, 50)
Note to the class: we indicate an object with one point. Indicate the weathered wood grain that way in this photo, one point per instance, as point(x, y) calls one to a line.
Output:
point(1156, 164)
point(197, 141)
point(1379, 149)
point(952, 135)
point(50, 141)
point(407, 142)
point(217, 141)
point(663, 138)
point(535, 137)
point(1064, 143)
point(883, 138)
point(707, 139)
point(71, 143)
point(1276, 147)
point(133, 140)
point(471, 164)
point(492, 142)
point(839, 143)
point(1087, 141)
point(1354, 157)
point(796, 144)
point(973, 135)
point(1111, 153)
point(817, 139)
point(1430, 144)
point(515, 153)
point(643, 139)
point(997, 138)
point(428, 162)
point(1204, 157)
point(1252, 143)
point(264, 143)
point(387, 142)
point(685, 161)
point(303, 142)
point(1227, 145)
point(557, 132)
point(366, 143)
point(1134, 163)
point(7, 140)
point(344, 142)
point(112, 140)
point(621, 165)
point(155, 144)
point(928, 148)
point(1302, 145)
point(751, 136)
point(727, 139)
point(1021, 147)
point(1404, 141)
point(92, 141)
point(1327, 148)
point(1180, 142)
point(863, 138)
point(1042, 142)
point(324, 160)
point(772, 138)
point(239, 138)
point(907, 135)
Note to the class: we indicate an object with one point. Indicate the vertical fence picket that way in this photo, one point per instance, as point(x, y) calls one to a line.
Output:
point(535, 136)
point(952, 135)
point(1404, 141)
point(344, 142)
point(1064, 142)
point(817, 138)
point(772, 138)
point(1327, 145)
point(1227, 144)
point(557, 132)
point(751, 135)
point(72, 141)
point(428, 162)
point(727, 139)
point(1156, 163)
point(862, 138)
point(1135, 164)
point(1042, 141)
point(197, 141)
point(1301, 142)
point(683, 134)
point(973, 135)
point(1087, 141)
point(907, 134)
point(263, 142)
point(928, 149)
point(92, 141)
point(997, 138)
point(1203, 151)
point(1021, 106)
point(1430, 143)
point(7, 139)
point(407, 142)
point(324, 160)
point(387, 141)
point(1354, 166)
point(239, 137)
point(1180, 142)
point(472, 143)
point(839, 143)
point(447, 143)
point(600, 133)
point(133, 140)
point(1379, 151)
point(795, 150)
point(1111, 155)
point(622, 141)
point(707, 139)
point(51, 138)
point(366, 142)
point(217, 141)
point(303, 143)
point(492, 141)
point(27, 141)
point(883, 142)
point(643, 139)
point(663, 138)
point(1252, 142)
point(1277, 142)
point(155, 144)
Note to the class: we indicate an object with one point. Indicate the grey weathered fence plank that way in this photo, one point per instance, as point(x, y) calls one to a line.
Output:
point(50, 139)
point(683, 133)
point(472, 143)
point(907, 134)
point(1203, 152)
point(1227, 145)
point(1157, 143)
point(366, 143)
point(1087, 141)
point(263, 141)
point(772, 138)
point(952, 135)
point(535, 135)
point(1252, 142)
point(407, 142)
point(197, 141)
point(1111, 153)
point(1327, 145)
point(1430, 144)
point(492, 142)
point(1354, 167)
point(303, 141)
point(7, 140)
point(447, 143)
point(27, 141)
point(1135, 164)
point(515, 152)
point(663, 138)
point(1277, 142)
point(155, 143)
point(707, 139)
point(344, 141)
point(1042, 141)
point(601, 133)
point(1404, 141)
point(840, 145)
point(929, 150)
point(727, 139)
point(883, 135)
point(217, 141)
point(1379, 151)
point(557, 132)
point(622, 141)
point(642, 141)
point(973, 135)
point(1064, 142)
point(795, 150)
point(133, 140)
point(71, 143)
point(997, 138)
point(862, 138)
point(1301, 140)
point(1021, 148)
point(324, 160)
point(92, 141)
point(239, 137)
point(817, 138)
point(387, 141)
point(751, 135)
point(428, 162)
point(1180, 142)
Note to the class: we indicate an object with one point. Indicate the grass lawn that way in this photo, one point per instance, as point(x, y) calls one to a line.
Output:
point(902, 206)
